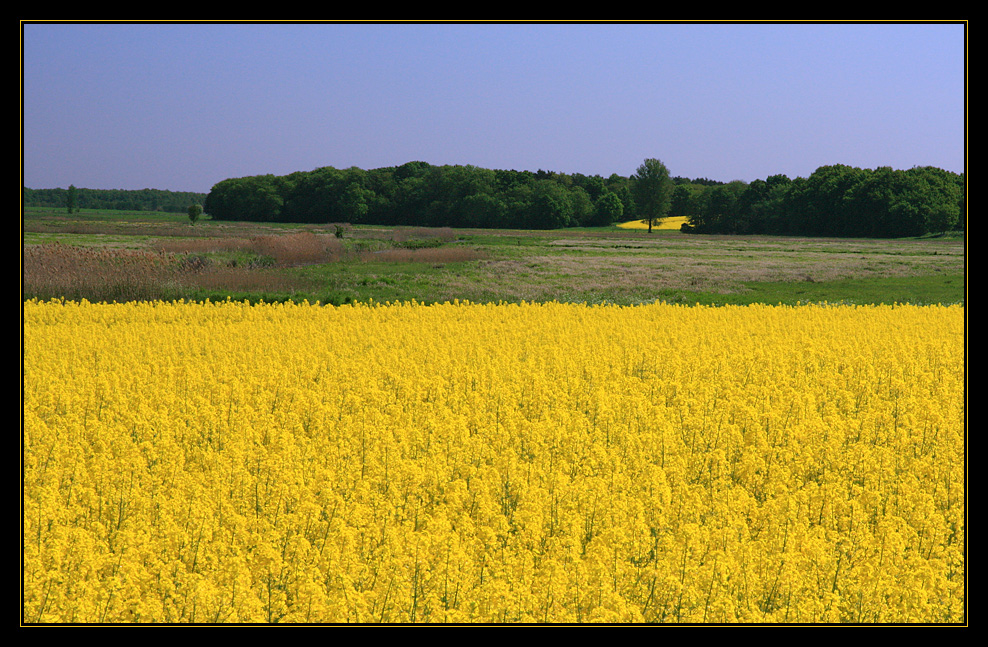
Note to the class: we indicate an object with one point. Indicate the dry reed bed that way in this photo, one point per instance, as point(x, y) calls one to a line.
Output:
point(56, 270)
point(308, 248)
point(172, 266)
point(303, 248)
point(96, 274)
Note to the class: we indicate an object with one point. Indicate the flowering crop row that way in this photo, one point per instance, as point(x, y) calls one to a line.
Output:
point(226, 462)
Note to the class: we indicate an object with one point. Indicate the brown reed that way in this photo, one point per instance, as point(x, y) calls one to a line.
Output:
point(303, 248)
point(72, 272)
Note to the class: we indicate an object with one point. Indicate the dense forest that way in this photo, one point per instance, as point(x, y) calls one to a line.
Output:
point(420, 194)
point(113, 199)
point(834, 200)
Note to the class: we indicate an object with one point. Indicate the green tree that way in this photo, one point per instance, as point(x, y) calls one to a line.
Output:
point(686, 200)
point(195, 211)
point(759, 206)
point(824, 210)
point(652, 188)
point(721, 207)
point(608, 209)
point(70, 198)
point(581, 206)
point(353, 203)
point(254, 199)
point(482, 210)
point(941, 198)
point(549, 207)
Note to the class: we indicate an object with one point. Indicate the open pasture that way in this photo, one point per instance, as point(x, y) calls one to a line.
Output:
point(277, 262)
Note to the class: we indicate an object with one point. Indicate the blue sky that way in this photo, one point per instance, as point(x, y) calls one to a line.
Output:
point(184, 106)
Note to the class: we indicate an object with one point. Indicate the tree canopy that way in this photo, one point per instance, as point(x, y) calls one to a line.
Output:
point(835, 200)
point(112, 199)
point(420, 194)
point(653, 189)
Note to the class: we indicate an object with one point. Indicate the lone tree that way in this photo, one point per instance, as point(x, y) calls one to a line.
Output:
point(652, 189)
point(194, 212)
point(70, 199)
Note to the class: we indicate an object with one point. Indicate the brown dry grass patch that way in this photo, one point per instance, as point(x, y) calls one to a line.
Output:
point(70, 272)
point(303, 248)
point(54, 271)
point(286, 250)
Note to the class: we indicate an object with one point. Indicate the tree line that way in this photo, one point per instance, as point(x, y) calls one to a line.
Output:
point(836, 200)
point(422, 194)
point(112, 199)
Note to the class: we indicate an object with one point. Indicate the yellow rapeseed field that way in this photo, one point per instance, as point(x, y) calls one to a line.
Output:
point(673, 222)
point(473, 463)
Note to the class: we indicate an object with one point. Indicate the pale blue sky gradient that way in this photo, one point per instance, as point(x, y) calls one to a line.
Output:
point(184, 106)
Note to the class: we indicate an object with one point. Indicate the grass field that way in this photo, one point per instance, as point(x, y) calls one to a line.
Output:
point(167, 258)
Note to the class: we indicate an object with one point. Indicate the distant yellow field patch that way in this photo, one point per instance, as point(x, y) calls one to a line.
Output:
point(668, 223)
